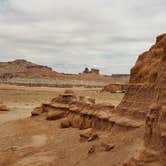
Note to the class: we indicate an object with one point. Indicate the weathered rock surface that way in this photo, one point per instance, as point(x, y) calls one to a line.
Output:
point(147, 81)
point(145, 100)
point(37, 111)
point(54, 115)
point(65, 123)
point(89, 134)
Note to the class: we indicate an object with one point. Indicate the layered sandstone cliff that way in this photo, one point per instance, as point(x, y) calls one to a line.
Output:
point(146, 100)
point(147, 81)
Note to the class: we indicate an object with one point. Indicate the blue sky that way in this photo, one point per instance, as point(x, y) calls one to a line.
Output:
point(69, 35)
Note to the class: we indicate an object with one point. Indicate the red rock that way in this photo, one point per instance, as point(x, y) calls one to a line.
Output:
point(65, 123)
point(54, 115)
point(37, 111)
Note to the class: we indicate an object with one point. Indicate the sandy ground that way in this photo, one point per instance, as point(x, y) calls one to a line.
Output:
point(27, 141)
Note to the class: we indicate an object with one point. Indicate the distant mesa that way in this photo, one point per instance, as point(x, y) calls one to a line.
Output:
point(92, 71)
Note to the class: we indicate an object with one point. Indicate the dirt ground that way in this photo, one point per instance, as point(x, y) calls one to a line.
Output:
point(27, 141)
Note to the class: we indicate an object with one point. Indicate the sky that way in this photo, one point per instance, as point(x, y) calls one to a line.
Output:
point(70, 35)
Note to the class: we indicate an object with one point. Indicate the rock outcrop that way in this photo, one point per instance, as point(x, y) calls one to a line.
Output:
point(78, 111)
point(154, 150)
point(145, 100)
point(92, 71)
point(82, 112)
point(147, 81)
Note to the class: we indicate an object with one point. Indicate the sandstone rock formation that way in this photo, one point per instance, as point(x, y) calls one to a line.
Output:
point(37, 111)
point(79, 112)
point(147, 81)
point(88, 134)
point(154, 151)
point(92, 71)
point(145, 100)
point(65, 123)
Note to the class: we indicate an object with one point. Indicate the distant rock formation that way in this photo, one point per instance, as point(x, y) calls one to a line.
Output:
point(23, 69)
point(22, 72)
point(92, 71)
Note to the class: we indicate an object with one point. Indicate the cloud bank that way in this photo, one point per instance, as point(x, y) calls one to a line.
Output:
point(69, 35)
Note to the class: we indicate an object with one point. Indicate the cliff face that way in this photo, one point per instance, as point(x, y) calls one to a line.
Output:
point(147, 81)
point(146, 100)
point(148, 64)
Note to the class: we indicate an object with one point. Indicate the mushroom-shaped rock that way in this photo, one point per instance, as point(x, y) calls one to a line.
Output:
point(54, 115)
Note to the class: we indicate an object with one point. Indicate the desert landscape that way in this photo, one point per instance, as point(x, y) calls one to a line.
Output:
point(93, 126)
point(82, 83)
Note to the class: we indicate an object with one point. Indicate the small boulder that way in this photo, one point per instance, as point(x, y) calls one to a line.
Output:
point(3, 107)
point(65, 123)
point(37, 111)
point(93, 137)
point(107, 146)
point(92, 149)
point(89, 134)
point(54, 115)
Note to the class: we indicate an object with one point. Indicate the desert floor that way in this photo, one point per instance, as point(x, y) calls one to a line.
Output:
point(27, 141)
